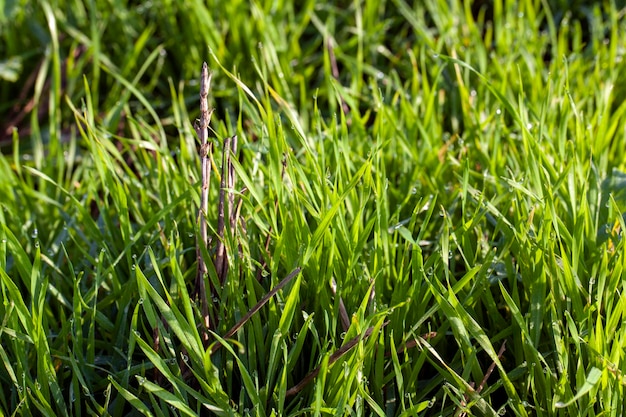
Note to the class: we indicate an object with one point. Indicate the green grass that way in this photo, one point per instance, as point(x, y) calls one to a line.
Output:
point(458, 173)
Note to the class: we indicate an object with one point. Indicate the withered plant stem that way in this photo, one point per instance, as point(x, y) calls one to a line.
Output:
point(202, 129)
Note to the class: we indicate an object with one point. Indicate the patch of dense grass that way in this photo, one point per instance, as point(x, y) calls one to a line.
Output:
point(449, 176)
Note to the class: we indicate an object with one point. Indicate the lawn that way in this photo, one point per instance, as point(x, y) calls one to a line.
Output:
point(396, 209)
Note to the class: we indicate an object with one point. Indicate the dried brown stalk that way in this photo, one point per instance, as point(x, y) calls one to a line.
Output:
point(233, 214)
point(257, 307)
point(225, 210)
point(202, 129)
point(343, 313)
point(333, 358)
point(466, 398)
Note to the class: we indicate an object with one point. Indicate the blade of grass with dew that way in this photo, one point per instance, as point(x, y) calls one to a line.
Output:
point(466, 326)
point(184, 331)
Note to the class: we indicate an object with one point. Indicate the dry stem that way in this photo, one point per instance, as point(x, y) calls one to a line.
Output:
point(202, 129)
